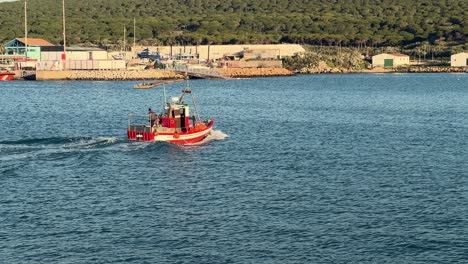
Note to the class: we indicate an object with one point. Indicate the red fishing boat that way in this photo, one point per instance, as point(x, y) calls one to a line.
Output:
point(175, 124)
point(6, 75)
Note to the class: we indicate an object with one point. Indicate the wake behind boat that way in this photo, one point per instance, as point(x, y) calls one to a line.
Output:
point(175, 124)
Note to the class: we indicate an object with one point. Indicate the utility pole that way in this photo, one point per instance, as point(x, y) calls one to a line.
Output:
point(26, 29)
point(64, 57)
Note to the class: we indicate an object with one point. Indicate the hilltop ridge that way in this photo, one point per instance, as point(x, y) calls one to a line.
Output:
point(315, 22)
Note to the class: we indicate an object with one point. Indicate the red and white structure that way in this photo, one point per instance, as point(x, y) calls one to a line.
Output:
point(6, 76)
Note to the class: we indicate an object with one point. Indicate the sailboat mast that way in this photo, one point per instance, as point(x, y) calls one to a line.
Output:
point(26, 29)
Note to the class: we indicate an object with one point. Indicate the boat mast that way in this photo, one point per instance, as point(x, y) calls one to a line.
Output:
point(187, 90)
point(26, 30)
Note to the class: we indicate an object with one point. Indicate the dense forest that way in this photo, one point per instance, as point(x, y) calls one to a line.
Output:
point(354, 23)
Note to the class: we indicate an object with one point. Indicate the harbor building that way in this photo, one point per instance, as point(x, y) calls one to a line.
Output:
point(459, 59)
point(390, 60)
point(17, 47)
point(16, 53)
point(216, 52)
point(78, 58)
point(43, 55)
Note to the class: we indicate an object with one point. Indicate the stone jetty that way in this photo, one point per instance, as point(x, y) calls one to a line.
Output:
point(155, 74)
point(107, 75)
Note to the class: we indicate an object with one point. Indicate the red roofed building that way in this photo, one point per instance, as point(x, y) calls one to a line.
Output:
point(17, 47)
point(36, 42)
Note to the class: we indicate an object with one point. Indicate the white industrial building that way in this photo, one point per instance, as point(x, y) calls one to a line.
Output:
point(459, 60)
point(73, 53)
point(215, 52)
point(77, 58)
point(390, 60)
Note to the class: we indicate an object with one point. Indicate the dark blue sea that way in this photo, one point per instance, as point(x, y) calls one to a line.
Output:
point(359, 168)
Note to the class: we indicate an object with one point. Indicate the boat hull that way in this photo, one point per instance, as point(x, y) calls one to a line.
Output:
point(190, 137)
point(6, 76)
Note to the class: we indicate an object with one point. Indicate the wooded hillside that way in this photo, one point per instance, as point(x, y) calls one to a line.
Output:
point(316, 22)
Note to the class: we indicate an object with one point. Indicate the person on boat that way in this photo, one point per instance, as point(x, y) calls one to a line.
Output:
point(151, 116)
point(158, 120)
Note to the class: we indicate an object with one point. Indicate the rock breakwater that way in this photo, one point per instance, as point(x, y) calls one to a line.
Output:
point(108, 75)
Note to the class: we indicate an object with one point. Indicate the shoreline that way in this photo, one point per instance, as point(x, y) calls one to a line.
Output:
point(113, 75)
point(413, 69)
point(231, 73)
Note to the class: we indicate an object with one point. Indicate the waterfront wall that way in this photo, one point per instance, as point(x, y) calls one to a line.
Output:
point(154, 74)
point(228, 72)
point(107, 75)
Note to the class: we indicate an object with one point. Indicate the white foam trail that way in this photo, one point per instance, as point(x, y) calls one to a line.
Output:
point(217, 135)
point(91, 142)
point(33, 151)
point(212, 136)
point(136, 145)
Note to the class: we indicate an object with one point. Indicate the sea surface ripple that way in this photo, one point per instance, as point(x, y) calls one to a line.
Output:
point(306, 169)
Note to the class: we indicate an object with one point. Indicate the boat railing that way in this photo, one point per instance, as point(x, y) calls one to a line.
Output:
point(144, 120)
point(138, 120)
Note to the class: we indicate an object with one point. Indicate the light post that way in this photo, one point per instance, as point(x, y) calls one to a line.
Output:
point(26, 30)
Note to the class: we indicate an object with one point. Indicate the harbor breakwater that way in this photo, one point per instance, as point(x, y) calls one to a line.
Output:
point(158, 74)
point(107, 75)
point(154, 74)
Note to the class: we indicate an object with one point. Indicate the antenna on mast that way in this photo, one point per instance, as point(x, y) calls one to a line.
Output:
point(188, 91)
